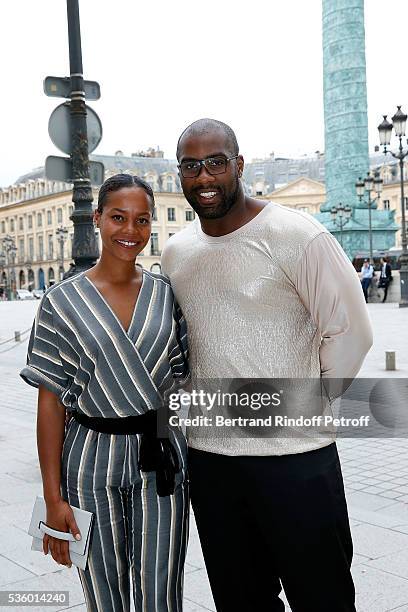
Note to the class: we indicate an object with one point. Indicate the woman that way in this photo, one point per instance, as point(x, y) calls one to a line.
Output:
point(109, 345)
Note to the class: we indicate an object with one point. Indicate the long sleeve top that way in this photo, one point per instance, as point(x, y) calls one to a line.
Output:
point(275, 299)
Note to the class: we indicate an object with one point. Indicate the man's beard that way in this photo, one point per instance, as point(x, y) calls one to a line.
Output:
point(219, 210)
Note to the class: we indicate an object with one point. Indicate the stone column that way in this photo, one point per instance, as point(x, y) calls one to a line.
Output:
point(345, 100)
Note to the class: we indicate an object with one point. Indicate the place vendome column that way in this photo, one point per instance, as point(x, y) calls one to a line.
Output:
point(346, 128)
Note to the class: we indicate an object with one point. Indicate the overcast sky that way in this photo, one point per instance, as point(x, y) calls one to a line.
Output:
point(256, 65)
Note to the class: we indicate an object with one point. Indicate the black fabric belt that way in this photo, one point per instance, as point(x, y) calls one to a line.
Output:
point(155, 454)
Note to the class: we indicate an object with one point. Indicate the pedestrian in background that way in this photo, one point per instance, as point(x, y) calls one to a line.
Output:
point(385, 277)
point(107, 345)
point(366, 276)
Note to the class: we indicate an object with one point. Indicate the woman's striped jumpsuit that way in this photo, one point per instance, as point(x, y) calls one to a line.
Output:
point(80, 351)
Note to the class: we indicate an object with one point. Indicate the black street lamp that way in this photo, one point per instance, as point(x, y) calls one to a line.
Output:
point(85, 247)
point(61, 234)
point(366, 187)
point(399, 121)
point(340, 216)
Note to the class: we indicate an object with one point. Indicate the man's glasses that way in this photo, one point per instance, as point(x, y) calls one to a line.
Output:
point(213, 165)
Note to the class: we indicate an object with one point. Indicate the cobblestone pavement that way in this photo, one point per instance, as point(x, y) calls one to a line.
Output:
point(375, 473)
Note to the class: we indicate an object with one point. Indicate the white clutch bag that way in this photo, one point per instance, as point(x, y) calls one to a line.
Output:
point(78, 550)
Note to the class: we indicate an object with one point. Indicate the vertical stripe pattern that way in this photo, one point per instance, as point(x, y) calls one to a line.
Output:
point(79, 350)
point(139, 539)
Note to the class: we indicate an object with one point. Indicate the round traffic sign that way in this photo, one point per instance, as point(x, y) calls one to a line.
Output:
point(59, 128)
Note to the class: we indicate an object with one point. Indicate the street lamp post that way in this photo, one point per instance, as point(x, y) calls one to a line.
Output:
point(340, 215)
point(85, 246)
point(62, 233)
point(2, 266)
point(399, 121)
point(11, 250)
point(366, 187)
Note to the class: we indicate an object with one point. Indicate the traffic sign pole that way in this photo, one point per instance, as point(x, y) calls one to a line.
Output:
point(76, 130)
point(85, 250)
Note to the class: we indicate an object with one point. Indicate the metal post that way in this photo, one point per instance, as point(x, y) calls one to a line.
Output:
point(404, 255)
point(85, 246)
point(10, 250)
point(62, 251)
point(8, 284)
point(61, 237)
point(370, 232)
point(13, 282)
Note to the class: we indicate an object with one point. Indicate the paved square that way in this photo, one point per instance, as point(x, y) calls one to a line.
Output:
point(375, 473)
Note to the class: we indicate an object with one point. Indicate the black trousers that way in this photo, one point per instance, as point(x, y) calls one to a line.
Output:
point(385, 284)
point(268, 522)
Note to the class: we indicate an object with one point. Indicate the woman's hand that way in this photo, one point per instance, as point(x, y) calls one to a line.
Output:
point(60, 516)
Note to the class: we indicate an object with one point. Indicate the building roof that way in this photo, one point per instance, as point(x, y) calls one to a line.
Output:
point(273, 172)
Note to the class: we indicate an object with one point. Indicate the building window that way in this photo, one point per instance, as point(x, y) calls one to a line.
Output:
point(31, 248)
point(71, 210)
point(21, 249)
point(39, 220)
point(40, 248)
point(49, 217)
point(3, 227)
point(190, 215)
point(169, 184)
point(386, 204)
point(11, 225)
point(154, 215)
point(50, 247)
point(154, 244)
point(171, 214)
point(30, 221)
point(59, 215)
point(21, 224)
point(304, 209)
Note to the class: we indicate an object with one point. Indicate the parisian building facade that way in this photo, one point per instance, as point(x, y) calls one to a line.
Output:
point(35, 208)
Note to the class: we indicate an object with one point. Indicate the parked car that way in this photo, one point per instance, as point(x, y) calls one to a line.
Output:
point(37, 293)
point(24, 294)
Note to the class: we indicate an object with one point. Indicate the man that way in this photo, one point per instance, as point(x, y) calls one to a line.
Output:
point(366, 275)
point(385, 277)
point(266, 292)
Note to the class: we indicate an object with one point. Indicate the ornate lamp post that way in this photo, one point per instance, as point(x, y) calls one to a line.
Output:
point(2, 265)
point(62, 234)
point(11, 250)
point(340, 216)
point(399, 121)
point(365, 188)
point(85, 247)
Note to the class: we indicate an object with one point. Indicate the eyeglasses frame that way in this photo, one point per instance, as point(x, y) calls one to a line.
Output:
point(202, 164)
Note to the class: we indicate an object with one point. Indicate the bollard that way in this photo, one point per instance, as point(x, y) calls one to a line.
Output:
point(17, 336)
point(390, 360)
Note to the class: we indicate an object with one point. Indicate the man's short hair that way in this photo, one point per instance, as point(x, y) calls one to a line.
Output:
point(204, 126)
